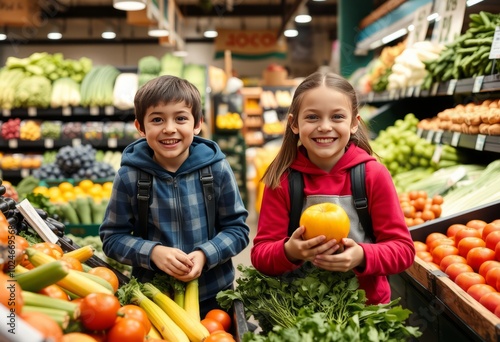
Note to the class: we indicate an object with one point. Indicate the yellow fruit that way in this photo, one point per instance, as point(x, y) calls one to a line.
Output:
point(86, 185)
point(65, 186)
point(327, 219)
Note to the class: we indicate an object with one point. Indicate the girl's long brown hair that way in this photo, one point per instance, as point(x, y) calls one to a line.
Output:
point(288, 151)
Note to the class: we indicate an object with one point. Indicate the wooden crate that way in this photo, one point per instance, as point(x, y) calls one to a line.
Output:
point(483, 322)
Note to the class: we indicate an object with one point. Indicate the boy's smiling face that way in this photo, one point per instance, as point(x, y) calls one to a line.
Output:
point(169, 129)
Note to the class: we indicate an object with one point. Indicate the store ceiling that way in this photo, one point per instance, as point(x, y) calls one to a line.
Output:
point(81, 19)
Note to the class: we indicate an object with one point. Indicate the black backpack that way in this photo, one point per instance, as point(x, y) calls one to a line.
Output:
point(296, 189)
point(144, 187)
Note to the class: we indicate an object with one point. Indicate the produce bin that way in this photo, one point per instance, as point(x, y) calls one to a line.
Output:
point(240, 325)
point(441, 309)
point(82, 230)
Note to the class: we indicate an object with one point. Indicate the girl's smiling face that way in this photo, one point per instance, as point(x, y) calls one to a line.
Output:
point(169, 130)
point(325, 125)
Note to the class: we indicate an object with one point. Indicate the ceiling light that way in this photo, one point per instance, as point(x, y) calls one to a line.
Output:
point(394, 35)
point(129, 5)
point(157, 32)
point(303, 16)
point(290, 31)
point(472, 2)
point(55, 33)
point(3, 34)
point(210, 32)
point(433, 16)
point(108, 34)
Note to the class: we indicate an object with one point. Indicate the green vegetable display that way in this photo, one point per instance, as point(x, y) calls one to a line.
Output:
point(311, 304)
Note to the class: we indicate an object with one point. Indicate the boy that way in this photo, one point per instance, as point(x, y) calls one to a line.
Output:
point(168, 116)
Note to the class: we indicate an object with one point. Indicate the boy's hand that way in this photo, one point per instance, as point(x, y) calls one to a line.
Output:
point(352, 256)
point(297, 249)
point(172, 261)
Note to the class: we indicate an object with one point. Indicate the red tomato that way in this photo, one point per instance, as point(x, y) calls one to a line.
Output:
point(439, 252)
point(220, 337)
point(127, 330)
point(420, 246)
point(455, 269)
point(211, 324)
point(492, 276)
point(492, 239)
point(476, 291)
point(98, 311)
point(478, 255)
point(434, 236)
point(220, 316)
point(451, 259)
point(488, 265)
point(490, 301)
point(467, 279)
point(478, 224)
point(466, 232)
point(454, 228)
point(137, 313)
point(467, 243)
point(425, 256)
point(490, 227)
point(438, 242)
point(497, 252)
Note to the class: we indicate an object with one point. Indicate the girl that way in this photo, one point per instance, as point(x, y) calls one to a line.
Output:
point(324, 118)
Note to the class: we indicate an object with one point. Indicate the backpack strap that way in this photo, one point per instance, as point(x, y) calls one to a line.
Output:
point(360, 200)
point(207, 181)
point(143, 194)
point(296, 189)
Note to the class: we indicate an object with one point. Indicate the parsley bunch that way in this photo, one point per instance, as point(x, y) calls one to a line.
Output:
point(311, 304)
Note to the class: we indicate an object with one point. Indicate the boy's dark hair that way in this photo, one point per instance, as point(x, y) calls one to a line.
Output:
point(165, 89)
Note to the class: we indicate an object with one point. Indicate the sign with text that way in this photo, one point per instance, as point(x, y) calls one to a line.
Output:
point(495, 46)
point(449, 23)
point(420, 25)
point(249, 44)
point(22, 12)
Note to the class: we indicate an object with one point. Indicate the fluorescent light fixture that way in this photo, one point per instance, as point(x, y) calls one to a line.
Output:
point(394, 35)
point(303, 16)
point(108, 34)
point(129, 5)
point(210, 32)
point(472, 2)
point(411, 27)
point(433, 16)
point(3, 36)
point(158, 32)
point(376, 44)
point(290, 31)
point(55, 33)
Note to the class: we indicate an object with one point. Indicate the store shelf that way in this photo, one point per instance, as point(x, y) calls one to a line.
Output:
point(478, 142)
point(67, 112)
point(477, 85)
point(110, 143)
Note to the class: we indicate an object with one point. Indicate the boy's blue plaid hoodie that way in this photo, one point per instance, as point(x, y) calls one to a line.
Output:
point(177, 215)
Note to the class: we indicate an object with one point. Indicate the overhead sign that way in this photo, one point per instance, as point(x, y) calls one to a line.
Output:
point(22, 12)
point(449, 23)
point(249, 44)
point(420, 25)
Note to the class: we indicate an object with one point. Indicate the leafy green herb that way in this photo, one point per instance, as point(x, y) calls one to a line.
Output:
point(310, 304)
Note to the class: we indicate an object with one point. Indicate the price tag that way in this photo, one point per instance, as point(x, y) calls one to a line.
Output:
point(94, 110)
point(480, 140)
point(495, 46)
point(455, 139)
point(48, 143)
point(270, 116)
point(12, 143)
point(66, 111)
point(434, 89)
point(418, 89)
point(419, 25)
point(25, 173)
point(430, 135)
point(437, 137)
point(410, 91)
point(403, 93)
point(6, 112)
point(392, 94)
point(448, 26)
point(31, 111)
point(451, 87)
point(371, 96)
point(109, 110)
point(112, 142)
point(478, 83)
point(76, 142)
point(436, 156)
point(419, 132)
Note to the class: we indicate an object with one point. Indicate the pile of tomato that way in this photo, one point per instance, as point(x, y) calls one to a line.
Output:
point(470, 255)
point(418, 207)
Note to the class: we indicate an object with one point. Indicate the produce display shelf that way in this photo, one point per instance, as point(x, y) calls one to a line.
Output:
point(65, 112)
point(479, 84)
point(453, 301)
point(57, 143)
point(478, 142)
